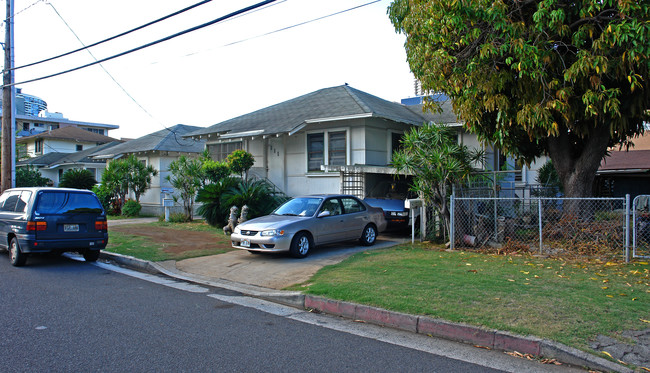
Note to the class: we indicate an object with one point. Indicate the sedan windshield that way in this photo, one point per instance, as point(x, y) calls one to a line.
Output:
point(299, 207)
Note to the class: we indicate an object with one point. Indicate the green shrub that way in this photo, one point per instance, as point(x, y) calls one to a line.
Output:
point(131, 208)
point(30, 176)
point(179, 217)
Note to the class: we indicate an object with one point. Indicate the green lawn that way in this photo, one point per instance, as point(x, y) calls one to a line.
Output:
point(565, 301)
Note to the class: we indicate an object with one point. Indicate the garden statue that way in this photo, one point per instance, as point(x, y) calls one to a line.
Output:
point(244, 215)
point(232, 220)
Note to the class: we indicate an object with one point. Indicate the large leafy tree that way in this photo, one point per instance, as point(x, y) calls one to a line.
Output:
point(437, 161)
point(565, 78)
point(186, 177)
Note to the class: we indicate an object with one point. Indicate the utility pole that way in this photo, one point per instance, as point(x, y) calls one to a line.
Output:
point(8, 134)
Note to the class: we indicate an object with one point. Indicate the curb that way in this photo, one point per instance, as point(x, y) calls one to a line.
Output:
point(468, 334)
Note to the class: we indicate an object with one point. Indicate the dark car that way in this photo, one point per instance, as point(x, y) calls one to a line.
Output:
point(51, 220)
point(390, 197)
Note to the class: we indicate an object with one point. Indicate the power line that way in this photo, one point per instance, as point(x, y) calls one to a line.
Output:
point(302, 23)
point(17, 13)
point(103, 68)
point(112, 37)
point(220, 19)
point(282, 29)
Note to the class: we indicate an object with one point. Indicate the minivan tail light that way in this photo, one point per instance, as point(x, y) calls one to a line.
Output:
point(36, 225)
point(101, 225)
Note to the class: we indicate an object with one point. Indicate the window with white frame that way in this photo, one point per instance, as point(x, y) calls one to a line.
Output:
point(326, 148)
point(220, 152)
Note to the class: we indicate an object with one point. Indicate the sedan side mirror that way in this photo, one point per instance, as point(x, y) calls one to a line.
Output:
point(322, 214)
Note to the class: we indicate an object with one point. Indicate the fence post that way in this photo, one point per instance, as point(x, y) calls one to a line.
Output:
point(539, 224)
point(452, 218)
point(627, 228)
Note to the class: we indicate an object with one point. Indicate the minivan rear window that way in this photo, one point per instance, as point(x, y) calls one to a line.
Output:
point(67, 203)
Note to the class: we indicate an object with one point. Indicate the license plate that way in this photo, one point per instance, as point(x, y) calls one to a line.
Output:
point(245, 243)
point(71, 227)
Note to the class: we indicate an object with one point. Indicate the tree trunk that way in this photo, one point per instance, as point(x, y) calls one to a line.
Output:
point(576, 160)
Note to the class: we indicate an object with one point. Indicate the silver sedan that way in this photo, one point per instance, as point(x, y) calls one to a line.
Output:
point(303, 222)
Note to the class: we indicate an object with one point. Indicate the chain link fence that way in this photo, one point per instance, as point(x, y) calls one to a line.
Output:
point(641, 227)
point(547, 225)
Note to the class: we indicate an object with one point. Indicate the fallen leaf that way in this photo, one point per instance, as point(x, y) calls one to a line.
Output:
point(609, 296)
point(605, 287)
point(607, 353)
point(646, 321)
point(472, 270)
point(511, 280)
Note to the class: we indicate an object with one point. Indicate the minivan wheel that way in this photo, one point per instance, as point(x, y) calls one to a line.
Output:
point(369, 235)
point(91, 255)
point(16, 257)
point(300, 245)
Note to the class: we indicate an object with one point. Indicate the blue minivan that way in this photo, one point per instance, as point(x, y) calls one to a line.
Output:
point(51, 220)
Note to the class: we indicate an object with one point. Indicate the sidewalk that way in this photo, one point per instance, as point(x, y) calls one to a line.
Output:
point(205, 271)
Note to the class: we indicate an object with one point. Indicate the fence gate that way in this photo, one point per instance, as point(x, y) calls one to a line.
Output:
point(641, 227)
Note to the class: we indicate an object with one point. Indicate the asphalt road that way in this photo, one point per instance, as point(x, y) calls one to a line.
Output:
point(65, 315)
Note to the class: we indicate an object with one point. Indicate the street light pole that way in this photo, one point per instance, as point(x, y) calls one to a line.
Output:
point(8, 134)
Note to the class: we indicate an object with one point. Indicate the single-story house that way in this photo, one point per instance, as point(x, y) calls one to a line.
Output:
point(625, 172)
point(337, 139)
point(157, 149)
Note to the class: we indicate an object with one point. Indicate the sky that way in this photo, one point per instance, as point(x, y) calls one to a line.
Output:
point(202, 78)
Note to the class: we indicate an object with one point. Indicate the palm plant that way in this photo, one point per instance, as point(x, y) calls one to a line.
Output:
point(210, 197)
point(77, 178)
point(258, 195)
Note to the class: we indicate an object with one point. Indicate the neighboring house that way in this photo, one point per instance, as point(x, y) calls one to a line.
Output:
point(61, 140)
point(157, 149)
point(54, 164)
point(625, 172)
point(336, 139)
point(32, 117)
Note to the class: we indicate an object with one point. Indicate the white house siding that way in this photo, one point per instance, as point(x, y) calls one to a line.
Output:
point(63, 146)
point(284, 161)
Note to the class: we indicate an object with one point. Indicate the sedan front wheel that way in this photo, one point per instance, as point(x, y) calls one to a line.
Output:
point(300, 245)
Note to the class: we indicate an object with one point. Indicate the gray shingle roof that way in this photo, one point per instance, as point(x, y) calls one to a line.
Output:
point(68, 133)
point(56, 158)
point(340, 101)
point(170, 140)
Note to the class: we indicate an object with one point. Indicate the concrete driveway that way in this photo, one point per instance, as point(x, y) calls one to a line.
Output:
point(279, 270)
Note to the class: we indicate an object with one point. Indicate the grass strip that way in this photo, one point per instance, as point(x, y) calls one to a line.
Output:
point(567, 301)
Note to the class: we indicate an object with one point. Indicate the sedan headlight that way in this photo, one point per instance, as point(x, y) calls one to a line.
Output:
point(399, 213)
point(273, 232)
point(237, 230)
